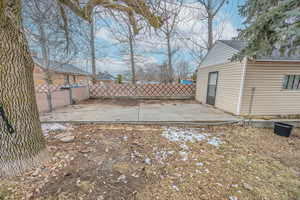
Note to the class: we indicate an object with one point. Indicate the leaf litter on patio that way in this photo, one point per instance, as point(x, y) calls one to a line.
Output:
point(112, 162)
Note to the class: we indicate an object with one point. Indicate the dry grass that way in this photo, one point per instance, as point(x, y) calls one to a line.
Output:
point(251, 164)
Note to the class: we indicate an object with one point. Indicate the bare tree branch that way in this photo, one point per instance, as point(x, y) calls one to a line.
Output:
point(219, 7)
point(130, 7)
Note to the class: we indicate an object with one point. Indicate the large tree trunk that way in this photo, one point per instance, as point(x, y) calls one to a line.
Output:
point(25, 147)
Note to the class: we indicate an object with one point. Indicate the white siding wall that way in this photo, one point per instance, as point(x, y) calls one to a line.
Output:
point(269, 97)
point(229, 83)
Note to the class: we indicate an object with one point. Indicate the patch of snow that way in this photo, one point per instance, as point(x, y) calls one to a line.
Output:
point(122, 178)
point(171, 152)
point(199, 164)
point(183, 135)
point(189, 135)
point(233, 198)
point(46, 128)
point(175, 188)
point(148, 161)
point(215, 141)
point(184, 155)
point(135, 175)
point(67, 139)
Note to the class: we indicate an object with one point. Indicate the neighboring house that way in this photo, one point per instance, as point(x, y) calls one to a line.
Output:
point(264, 86)
point(60, 73)
point(105, 77)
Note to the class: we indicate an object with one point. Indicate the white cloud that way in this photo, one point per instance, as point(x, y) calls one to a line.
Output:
point(190, 37)
point(105, 34)
point(114, 65)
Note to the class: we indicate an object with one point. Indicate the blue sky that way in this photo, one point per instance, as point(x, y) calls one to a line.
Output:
point(232, 8)
point(109, 52)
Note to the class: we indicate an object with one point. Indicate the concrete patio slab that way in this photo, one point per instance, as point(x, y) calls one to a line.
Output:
point(140, 111)
point(181, 112)
point(93, 112)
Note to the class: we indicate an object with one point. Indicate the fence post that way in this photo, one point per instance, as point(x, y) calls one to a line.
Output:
point(89, 89)
point(71, 95)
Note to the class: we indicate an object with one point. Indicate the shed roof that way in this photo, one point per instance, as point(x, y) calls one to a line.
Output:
point(61, 67)
point(235, 44)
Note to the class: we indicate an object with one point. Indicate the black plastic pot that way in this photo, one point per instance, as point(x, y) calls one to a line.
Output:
point(283, 129)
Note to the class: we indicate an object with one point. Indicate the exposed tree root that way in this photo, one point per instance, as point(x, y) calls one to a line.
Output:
point(17, 167)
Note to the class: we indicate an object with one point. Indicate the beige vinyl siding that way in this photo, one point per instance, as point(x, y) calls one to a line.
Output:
point(228, 88)
point(269, 98)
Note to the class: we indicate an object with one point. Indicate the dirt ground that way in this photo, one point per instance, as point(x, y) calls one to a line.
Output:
point(120, 162)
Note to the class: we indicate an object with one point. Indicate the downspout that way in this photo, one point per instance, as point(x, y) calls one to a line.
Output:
point(242, 85)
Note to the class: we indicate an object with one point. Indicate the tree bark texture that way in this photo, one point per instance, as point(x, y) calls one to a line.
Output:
point(25, 147)
point(210, 32)
point(210, 18)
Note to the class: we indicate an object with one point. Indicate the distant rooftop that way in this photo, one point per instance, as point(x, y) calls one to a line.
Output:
point(61, 67)
point(105, 76)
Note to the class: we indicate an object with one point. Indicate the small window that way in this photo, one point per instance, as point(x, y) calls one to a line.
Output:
point(285, 82)
point(291, 82)
point(297, 82)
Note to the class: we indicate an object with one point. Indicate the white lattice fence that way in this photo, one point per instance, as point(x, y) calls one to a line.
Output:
point(148, 90)
point(45, 88)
